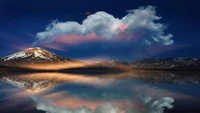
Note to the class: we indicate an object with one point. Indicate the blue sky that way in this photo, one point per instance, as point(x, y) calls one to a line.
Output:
point(166, 29)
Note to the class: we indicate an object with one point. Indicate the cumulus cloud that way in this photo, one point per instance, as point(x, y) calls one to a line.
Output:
point(138, 23)
point(149, 105)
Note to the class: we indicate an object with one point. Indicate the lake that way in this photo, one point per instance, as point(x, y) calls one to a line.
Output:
point(135, 92)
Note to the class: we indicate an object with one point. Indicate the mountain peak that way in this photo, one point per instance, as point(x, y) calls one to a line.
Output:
point(35, 54)
point(39, 52)
point(33, 49)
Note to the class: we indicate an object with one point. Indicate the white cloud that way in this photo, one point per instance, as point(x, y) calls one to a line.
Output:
point(150, 106)
point(140, 21)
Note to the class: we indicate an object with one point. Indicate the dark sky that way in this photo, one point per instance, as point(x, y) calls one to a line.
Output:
point(21, 20)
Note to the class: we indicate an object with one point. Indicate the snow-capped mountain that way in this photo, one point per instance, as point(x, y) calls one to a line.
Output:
point(34, 55)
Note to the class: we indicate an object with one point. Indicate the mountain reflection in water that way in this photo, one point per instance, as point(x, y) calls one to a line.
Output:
point(141, 92)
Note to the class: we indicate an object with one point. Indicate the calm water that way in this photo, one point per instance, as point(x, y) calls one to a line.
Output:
point(144, 92)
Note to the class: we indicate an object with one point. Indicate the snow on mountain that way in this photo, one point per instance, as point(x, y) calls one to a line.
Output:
point(34, 55)
point(16, 55)
point(34, 52)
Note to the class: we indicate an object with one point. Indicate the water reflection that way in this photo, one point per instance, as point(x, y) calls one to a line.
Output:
point(118, 93)
point(38, 82)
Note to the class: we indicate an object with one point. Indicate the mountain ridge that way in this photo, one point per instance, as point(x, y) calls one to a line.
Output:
point(41, 56)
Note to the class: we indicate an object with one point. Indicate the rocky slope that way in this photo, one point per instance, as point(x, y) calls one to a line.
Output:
point(168, 63)
point(157, 64)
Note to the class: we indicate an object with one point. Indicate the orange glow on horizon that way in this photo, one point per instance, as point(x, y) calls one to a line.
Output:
point(54, 66)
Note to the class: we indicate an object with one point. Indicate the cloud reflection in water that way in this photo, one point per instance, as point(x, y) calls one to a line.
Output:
point(149, 105)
